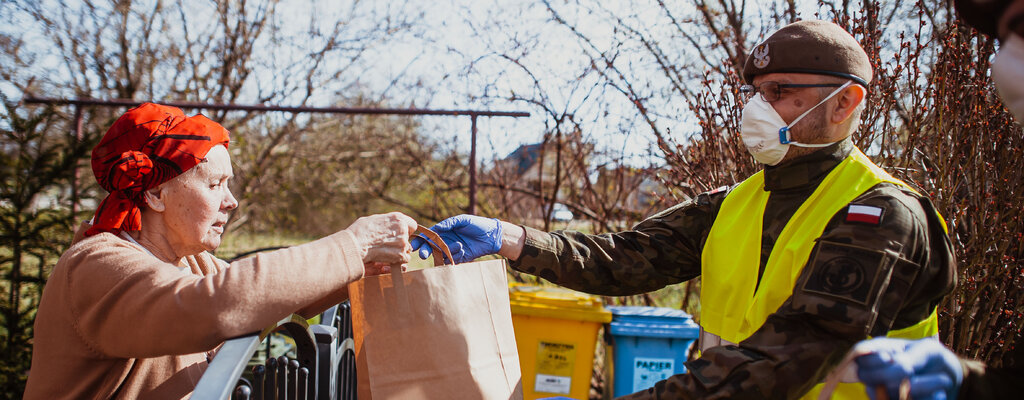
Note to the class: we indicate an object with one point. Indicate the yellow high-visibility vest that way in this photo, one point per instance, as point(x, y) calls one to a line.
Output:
point(730, 307)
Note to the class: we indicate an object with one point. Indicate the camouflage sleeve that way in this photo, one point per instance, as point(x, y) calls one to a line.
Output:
point(662, 250)
point(861, 279)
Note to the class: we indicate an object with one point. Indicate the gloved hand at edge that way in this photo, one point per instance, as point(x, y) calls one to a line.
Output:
point(468, 237)
point(932, 371)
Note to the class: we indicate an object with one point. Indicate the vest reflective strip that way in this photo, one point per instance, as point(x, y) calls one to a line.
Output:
point(731, 309)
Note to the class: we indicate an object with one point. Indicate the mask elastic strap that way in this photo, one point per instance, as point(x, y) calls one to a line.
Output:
point(784, 131)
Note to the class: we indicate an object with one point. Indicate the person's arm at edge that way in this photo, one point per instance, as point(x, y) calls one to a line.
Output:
point(982, 381)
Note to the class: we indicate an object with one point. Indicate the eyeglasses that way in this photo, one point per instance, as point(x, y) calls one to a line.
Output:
point(771, 91)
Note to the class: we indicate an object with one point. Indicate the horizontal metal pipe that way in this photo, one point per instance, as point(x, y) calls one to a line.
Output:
point(259, 107)
point(223, 372)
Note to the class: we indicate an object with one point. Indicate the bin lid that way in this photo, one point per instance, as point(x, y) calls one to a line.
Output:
point(652, 322)
point(558, 303)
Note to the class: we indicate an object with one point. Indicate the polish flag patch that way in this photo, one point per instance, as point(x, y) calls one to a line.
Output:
point(720, 189)
point(865, 214)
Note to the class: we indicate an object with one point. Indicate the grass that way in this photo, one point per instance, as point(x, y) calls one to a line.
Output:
point(235, 243)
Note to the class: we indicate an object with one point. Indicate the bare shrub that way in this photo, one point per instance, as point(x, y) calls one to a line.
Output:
point(931, 118)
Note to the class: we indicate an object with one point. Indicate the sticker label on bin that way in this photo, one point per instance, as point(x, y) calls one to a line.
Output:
point(552, 384)
point(555, 362)
point(648, 371)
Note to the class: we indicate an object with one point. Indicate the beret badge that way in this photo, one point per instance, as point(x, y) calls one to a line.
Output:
point(761, 58)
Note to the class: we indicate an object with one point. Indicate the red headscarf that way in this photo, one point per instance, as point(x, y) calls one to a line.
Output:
point(147, 146)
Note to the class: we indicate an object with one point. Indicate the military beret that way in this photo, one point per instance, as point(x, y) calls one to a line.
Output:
point(810, 47)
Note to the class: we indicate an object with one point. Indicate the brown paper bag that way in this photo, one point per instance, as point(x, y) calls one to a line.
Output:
point(437, 333)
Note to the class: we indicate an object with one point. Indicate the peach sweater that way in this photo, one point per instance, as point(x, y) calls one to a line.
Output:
point(116, 322)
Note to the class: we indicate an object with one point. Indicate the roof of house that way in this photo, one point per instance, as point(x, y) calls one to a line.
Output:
point(525, 156)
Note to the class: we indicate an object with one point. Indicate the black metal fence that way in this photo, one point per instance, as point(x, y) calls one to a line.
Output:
point(322, 366)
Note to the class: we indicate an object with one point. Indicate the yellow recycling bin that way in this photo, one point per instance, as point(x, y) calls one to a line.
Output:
point(556, 333)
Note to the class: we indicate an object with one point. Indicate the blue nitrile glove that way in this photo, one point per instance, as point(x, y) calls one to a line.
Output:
point(934, 372)
point(467, 236)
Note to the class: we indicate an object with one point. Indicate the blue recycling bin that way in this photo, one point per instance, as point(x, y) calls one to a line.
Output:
point(647, 344)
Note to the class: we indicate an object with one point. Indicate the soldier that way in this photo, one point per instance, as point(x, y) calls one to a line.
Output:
point(931, 370)
point(798, 262)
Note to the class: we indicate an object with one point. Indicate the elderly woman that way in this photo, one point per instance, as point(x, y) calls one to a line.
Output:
point(137, 304)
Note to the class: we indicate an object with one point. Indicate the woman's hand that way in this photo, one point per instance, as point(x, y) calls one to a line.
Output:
point(383, 239)
point(376, 268)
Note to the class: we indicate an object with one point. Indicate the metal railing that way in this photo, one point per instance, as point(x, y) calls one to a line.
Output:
point(323, 367)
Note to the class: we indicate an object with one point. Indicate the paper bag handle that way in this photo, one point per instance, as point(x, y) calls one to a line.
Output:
point(848, 368)
point(435, 242)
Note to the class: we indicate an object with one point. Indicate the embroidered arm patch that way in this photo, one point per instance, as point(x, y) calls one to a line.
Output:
point(848, 273)
point(864, 214)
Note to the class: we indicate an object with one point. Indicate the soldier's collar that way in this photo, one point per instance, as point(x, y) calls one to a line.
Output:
point(807, 171)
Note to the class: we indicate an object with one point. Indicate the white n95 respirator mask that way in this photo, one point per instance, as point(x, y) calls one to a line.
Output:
point(766, 135)
point(1008, 75)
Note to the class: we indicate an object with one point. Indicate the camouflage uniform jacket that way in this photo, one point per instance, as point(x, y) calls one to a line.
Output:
point(810, 332)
